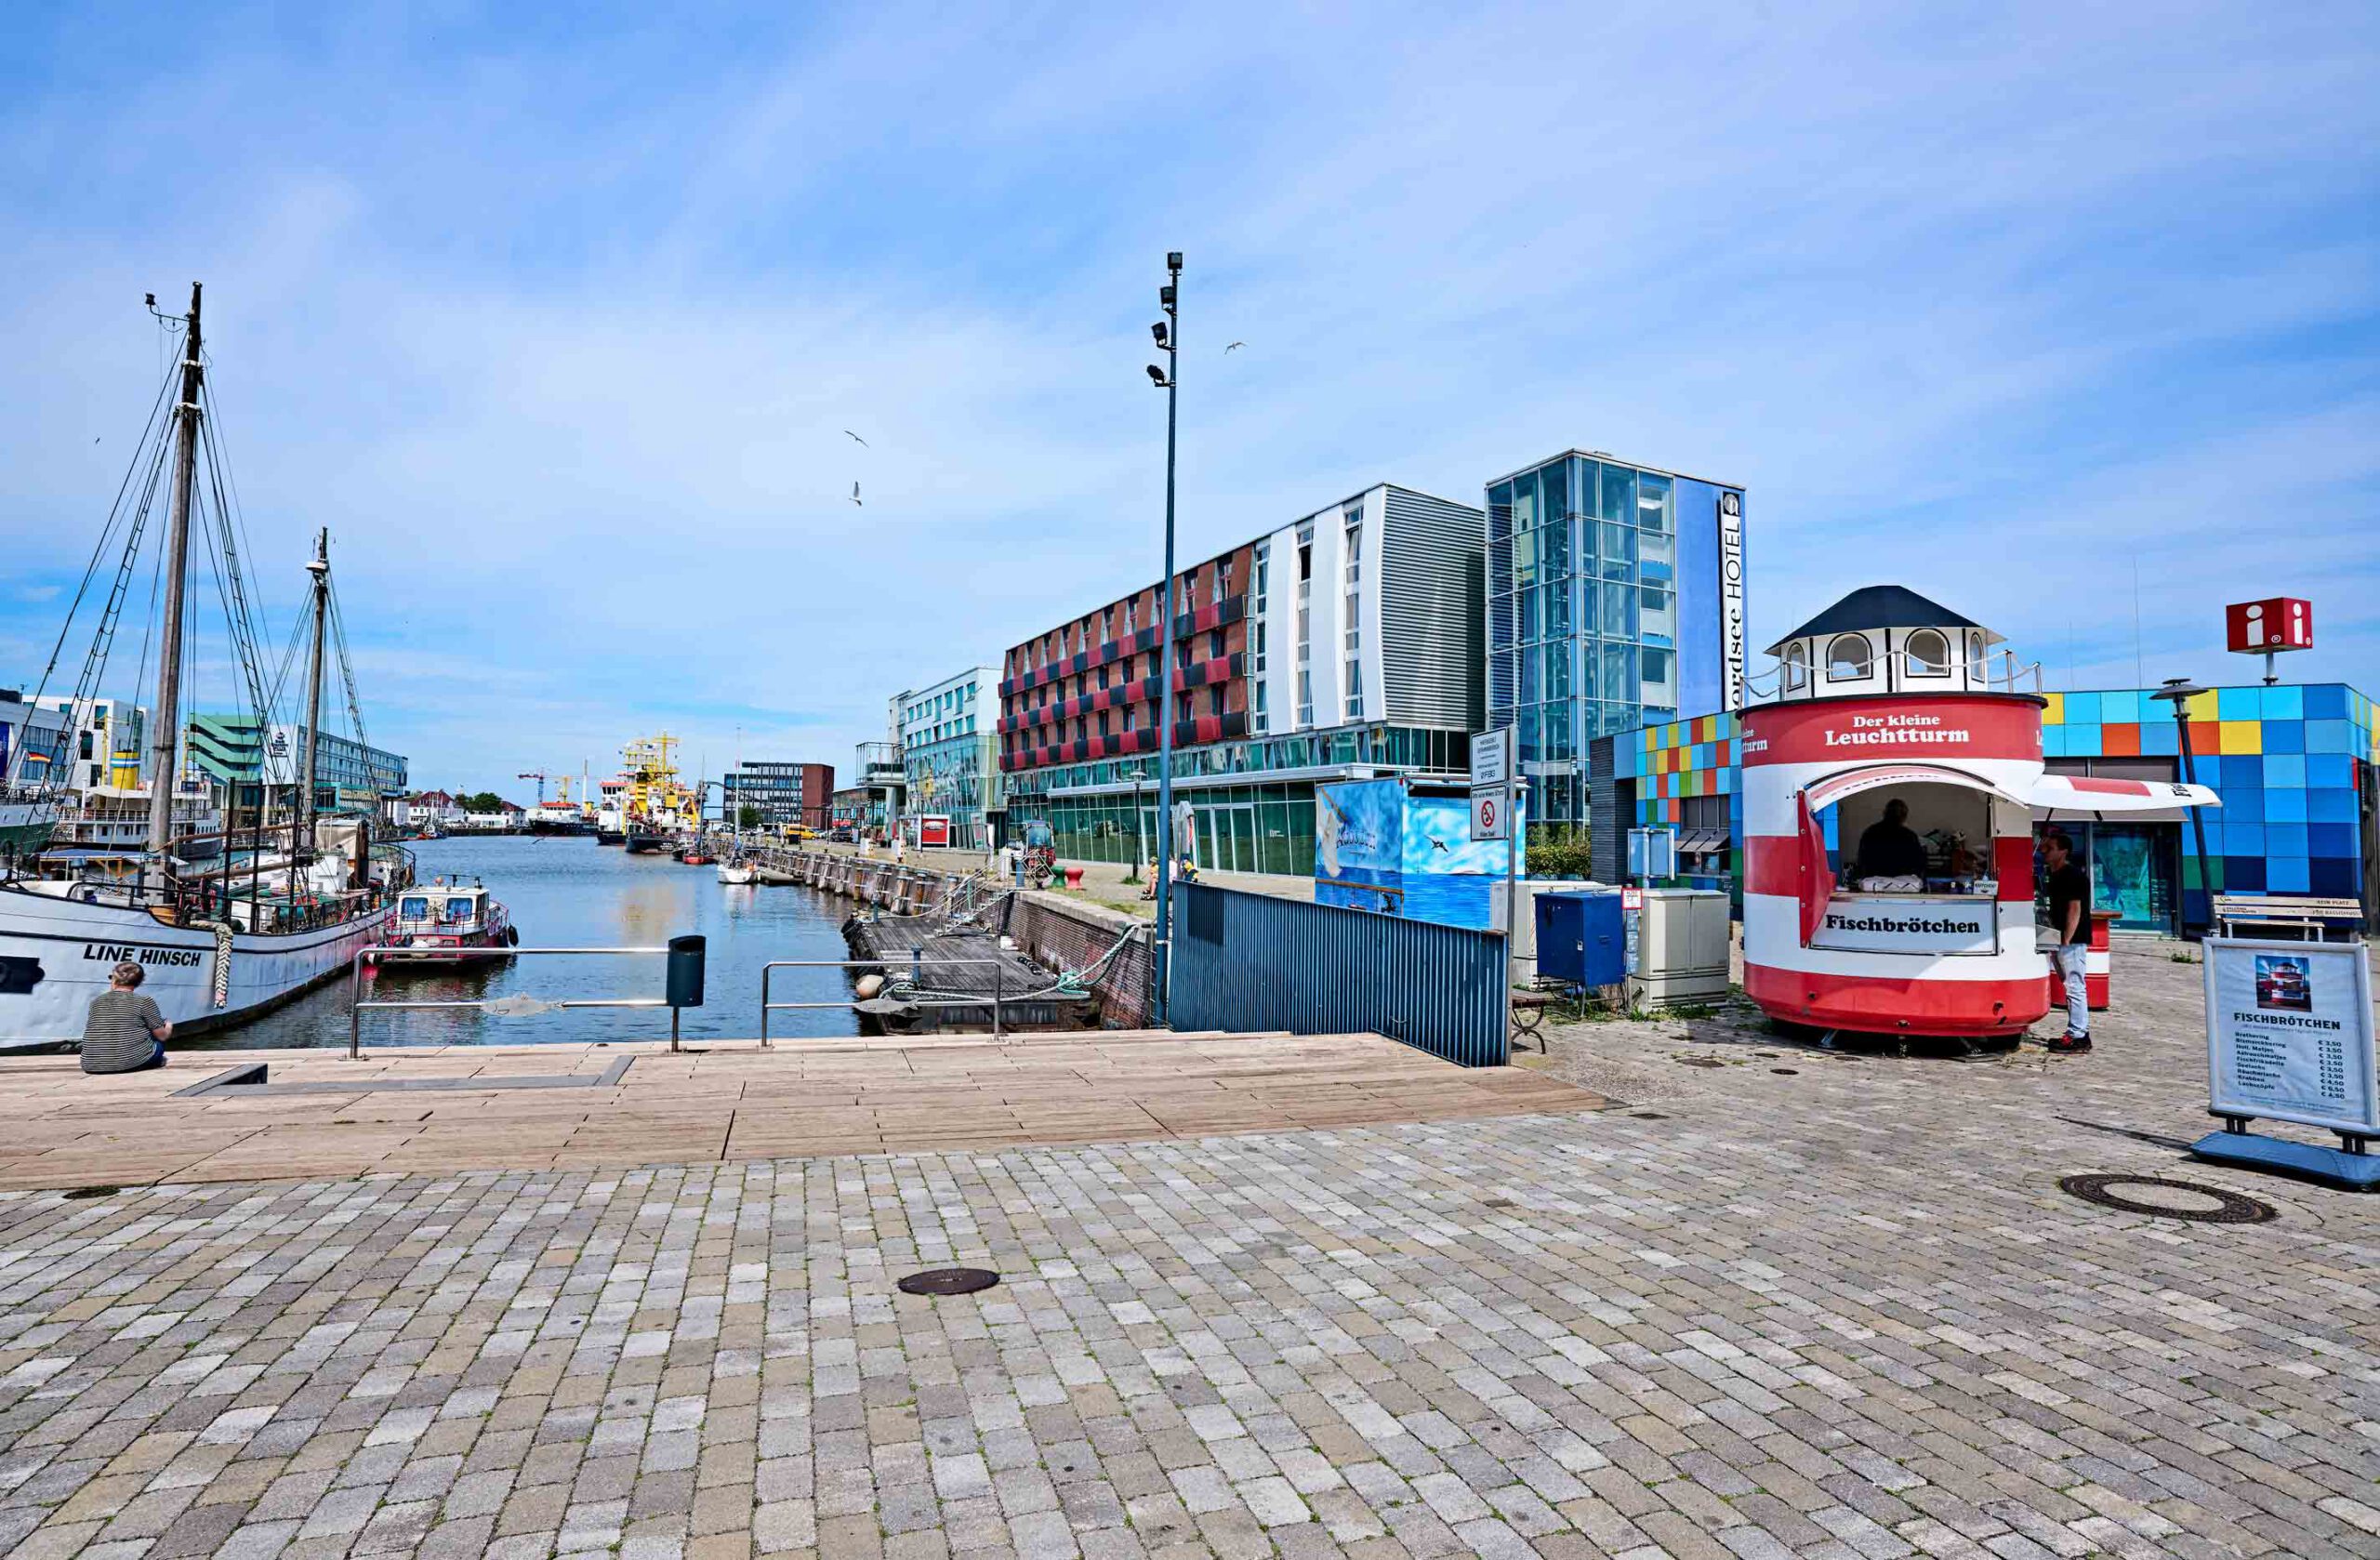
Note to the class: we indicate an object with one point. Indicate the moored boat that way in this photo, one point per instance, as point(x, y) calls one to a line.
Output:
point(451, 917)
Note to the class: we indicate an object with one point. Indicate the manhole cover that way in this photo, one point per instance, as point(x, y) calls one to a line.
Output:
point(81, 1193)
point(2170, 1199)
point(948, 1281)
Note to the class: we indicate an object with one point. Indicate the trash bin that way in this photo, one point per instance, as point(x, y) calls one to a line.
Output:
point(684, 985)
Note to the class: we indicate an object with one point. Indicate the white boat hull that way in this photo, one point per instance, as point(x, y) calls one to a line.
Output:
point(737, 874)
point(56, 954)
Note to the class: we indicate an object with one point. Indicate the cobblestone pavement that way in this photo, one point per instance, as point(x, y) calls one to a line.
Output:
point(1840, 1311)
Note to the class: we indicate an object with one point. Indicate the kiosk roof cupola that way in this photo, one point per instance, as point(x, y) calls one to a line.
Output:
point(1884, 639)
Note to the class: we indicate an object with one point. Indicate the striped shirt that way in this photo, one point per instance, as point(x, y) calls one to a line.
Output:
point(120, 1035)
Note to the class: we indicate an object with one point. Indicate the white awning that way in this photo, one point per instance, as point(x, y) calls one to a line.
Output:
point(1851, 782)
point(2092, 793)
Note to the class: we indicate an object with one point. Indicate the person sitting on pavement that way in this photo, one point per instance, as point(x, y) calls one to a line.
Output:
point(125, 1032)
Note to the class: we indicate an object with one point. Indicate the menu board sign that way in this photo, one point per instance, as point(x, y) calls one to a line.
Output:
point(2289, 1033)
point(1909, 923)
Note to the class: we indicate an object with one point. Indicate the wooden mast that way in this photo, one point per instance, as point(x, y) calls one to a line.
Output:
point(164, 742)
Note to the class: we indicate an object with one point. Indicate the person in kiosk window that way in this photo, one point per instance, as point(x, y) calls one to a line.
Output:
point(1889, 848)
point(2069, 917)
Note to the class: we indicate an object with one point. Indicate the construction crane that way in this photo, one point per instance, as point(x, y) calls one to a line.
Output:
point(539, 776)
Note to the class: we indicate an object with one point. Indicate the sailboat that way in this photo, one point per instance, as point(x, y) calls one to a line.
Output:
point(223, 928)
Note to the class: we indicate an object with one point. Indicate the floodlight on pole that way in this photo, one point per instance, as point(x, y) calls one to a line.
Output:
point(1162, 962)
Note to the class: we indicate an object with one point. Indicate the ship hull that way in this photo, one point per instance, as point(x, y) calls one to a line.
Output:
point(25, 826)
point(56, 954)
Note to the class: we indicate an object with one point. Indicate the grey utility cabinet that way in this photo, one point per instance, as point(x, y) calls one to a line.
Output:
point(1682, 949)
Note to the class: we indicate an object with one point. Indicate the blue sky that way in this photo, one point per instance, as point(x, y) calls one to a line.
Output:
point(556, 319)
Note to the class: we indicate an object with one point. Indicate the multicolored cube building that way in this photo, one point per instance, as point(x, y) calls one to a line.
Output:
point(2294, 763)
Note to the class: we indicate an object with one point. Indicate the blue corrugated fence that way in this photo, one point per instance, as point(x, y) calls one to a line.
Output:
point(1248, 962)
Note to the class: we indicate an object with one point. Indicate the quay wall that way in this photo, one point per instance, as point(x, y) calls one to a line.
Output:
point(1058, 933)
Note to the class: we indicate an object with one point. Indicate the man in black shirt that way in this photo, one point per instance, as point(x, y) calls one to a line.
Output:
point(1889, 848)
point(2069, 917)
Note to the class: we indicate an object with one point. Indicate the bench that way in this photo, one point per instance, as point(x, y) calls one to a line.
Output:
point(2303, 911)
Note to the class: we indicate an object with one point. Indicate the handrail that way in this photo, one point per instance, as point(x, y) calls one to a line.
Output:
point(1000, 984)
point(356, 1004)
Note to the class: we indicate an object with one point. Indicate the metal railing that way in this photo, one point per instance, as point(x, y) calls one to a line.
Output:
point(918, 966)
point(518, 1004)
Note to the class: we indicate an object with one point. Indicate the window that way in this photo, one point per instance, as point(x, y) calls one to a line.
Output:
point(1354, 690)
point(1215, 646)
point(1797, 667)
point(1847, 659)
point(1218, 581)
point(1133, 616)
point(1305, 696)
point(1976, 671)
point(1927, 653)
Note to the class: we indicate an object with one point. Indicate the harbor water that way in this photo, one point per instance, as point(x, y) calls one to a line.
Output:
point(572, 892)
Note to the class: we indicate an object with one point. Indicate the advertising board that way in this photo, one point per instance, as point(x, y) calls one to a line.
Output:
point(1731, 597)
point(2289, 1033)
point(933, 831)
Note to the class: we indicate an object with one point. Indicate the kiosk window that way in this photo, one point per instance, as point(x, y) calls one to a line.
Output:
point(1928, 653)
point(1847, 659)
point(1797, 667)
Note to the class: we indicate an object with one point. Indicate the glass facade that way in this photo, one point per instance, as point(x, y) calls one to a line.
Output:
point(1420, 749)
point(949, 757)
point(1584, 635)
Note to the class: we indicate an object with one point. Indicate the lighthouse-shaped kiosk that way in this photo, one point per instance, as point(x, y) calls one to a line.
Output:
point(1918, 919)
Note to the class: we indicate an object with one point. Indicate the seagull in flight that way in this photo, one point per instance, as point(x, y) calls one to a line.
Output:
point(855, 494)
point(1234, 348)
point(861, 442)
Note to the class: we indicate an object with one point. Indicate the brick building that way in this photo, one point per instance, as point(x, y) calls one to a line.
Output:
point(1346, 644)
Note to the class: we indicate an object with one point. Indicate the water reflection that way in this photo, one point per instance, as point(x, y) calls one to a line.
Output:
point(574, 893)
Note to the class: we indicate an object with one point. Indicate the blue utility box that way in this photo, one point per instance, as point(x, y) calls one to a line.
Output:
point(1582, 938)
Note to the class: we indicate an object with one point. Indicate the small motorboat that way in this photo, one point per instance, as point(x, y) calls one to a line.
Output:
point(738, 872)
point(451, 917)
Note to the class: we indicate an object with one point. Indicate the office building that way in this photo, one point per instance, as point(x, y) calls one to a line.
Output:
point(1615, 599)
point(1345, 645)
point(949, 763)
point(244, 756)
point(784, 795)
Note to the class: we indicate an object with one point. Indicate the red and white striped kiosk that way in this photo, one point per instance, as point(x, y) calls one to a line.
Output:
point(1920, 921)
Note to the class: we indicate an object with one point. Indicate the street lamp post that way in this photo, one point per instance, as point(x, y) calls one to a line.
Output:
point(1168, 332)
point(2178, 691)
point(1140, 837)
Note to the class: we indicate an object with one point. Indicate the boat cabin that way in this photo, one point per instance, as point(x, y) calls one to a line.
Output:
point(447, 913)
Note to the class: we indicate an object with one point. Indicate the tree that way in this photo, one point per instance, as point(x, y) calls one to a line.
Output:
point(747, 816)
point(482, 801)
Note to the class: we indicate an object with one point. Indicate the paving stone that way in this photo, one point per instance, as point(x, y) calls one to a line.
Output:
point(1294, 1343)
